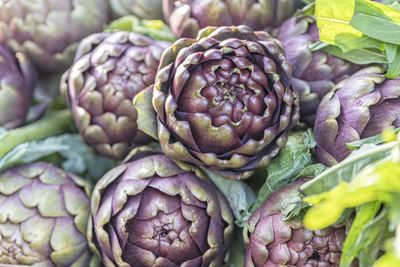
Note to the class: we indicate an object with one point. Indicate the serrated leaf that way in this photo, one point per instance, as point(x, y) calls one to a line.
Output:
point(347, 169)
point(285, 167)
point(78, 158)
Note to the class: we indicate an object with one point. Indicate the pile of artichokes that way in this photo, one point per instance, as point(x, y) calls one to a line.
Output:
point(146, 133)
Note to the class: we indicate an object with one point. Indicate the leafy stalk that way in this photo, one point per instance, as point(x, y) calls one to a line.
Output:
point(57, 123)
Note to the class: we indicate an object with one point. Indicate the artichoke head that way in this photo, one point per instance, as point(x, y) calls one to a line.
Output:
point(110, 69)
point(48, 31)
point(188, 17)
point(224, 100)
point(151, 212)
point(362, 106)
point(315, 73)
point(273, 241)
point(43, 217)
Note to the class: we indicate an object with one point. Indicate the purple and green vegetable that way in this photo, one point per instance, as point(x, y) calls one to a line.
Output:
point(200, 133)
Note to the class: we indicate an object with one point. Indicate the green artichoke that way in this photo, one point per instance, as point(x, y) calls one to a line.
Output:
point(43, 217)
point(151, 212)
point(109, 70)
point(145, 9)
point(47, 31)
point(362, 106)
point(17, 80)
point(315, 73)
point(271, 241)
point(188, 17)
point(224, 100)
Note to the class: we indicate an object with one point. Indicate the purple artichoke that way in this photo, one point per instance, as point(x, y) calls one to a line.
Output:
point(188, 17)
point(109, 70)
point(150, 212)
point(315, 73)
point(224, 100)
point(271, 241)
point(43, 217)
point(17, 80)
point(47, 31)
point(145, 9)
point(362, 106)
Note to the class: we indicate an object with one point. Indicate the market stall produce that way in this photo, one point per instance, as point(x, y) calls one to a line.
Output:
point(199, 133)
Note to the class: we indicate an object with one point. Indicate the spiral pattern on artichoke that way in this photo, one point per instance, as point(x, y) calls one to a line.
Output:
point(150, 212)
point(224, 100)
point(43, 217)
point(109, 70)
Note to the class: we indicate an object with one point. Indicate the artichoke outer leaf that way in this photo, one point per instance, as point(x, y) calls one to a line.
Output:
point(146, 118)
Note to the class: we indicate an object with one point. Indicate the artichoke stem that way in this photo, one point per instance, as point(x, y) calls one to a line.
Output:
point(54, 124)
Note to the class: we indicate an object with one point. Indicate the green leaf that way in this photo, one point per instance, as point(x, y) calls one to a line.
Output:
point(377, 20)
point(239, 195)
point(351, 248)
point(284, 168)
point(375, 183)
point(347, 169)
point(390, 259)
point(361, 56)
point(371, 239)
point(155, 29)
point(333, 20)
point(393, 59)
point(78, 157)
point(375, 140)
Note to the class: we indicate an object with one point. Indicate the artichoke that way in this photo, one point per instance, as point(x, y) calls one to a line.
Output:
point(47, 31)
point(187, 17)
point(145, 9)
point(224, 100)
point(272, 241)
point(109, 70)
point(43, 217)
point(315, 73)
point(17, 80)
point(150, 212)
point(362, 106)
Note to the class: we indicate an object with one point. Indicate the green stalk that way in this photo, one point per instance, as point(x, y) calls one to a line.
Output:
point(57, 123)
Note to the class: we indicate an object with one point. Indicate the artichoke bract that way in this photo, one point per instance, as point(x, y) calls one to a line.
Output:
point(271, 241)
point(362, 106)
point(187, 17)
point(48, 31)
point(109, 70)
point(17, 80)
point(224, 100)
point(145, 9)
point(43, 217)
point(315, 73)
point(150, 212)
